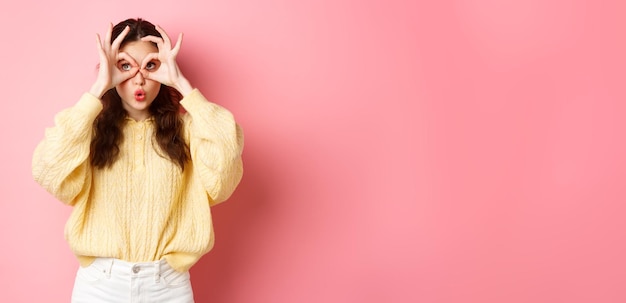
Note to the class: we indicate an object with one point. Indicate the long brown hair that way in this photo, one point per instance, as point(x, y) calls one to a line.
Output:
point(165, 110)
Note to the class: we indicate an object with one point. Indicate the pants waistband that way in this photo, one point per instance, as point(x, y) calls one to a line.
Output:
point(122, 268)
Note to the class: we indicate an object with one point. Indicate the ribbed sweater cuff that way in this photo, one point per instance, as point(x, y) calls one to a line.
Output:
point(193, 100)
point(90, 105)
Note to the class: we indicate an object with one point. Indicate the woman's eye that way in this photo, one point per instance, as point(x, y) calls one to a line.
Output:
point(125, 66)
point(151, 65)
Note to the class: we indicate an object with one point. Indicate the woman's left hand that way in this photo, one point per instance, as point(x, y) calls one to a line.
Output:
point(166, 70)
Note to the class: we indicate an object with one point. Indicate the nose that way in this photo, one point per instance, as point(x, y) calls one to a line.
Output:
point(139, 79)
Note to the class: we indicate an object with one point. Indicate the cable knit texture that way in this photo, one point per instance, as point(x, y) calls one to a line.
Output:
point(143, 207)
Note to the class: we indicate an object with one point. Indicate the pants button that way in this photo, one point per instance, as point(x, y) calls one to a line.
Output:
point(136, 268)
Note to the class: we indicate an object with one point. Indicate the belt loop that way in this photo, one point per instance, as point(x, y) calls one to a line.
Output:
point(108, 270)
point(157, 271)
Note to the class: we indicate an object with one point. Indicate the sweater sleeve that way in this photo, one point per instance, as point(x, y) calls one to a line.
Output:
point(216, 144)
point(60, 162)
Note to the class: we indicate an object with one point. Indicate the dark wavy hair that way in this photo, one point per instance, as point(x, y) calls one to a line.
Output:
point(165, 110)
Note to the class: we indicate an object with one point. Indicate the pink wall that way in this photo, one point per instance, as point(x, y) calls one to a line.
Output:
point(396, 151)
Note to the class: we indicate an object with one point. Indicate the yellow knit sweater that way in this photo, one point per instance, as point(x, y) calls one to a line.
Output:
point(143, 208)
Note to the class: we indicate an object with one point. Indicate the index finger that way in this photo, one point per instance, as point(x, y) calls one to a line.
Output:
point(129, 59)
point(154, 39)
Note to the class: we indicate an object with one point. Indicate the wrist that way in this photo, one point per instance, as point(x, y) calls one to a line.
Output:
point(183, 86)
point(97, 90)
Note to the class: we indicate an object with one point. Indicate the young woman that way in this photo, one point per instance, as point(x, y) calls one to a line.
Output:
point(140, 174)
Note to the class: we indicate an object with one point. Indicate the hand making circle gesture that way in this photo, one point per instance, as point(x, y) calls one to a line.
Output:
point(109, 74)
point(167, 72)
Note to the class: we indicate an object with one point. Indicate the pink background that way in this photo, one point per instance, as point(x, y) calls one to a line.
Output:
point(396, 151)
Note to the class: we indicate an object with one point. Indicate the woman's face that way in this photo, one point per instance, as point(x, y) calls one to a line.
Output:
point(138, 93)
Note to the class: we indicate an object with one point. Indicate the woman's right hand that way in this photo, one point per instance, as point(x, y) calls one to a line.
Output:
point(109, 73)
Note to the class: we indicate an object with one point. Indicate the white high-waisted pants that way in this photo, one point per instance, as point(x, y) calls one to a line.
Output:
point(115, 281)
